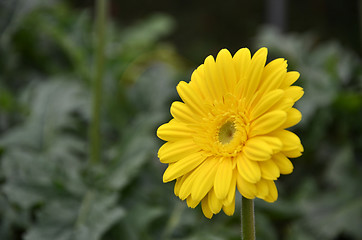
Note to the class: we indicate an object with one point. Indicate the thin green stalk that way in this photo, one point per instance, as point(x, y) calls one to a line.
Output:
point(84, 208)
point(360, 23)
point(95, 144)
point(173, 221)
point(247, 219)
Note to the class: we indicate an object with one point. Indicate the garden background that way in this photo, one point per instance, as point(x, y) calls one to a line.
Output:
point(49, 188)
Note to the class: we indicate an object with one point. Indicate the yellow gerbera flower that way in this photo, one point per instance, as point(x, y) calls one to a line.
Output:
point(229, 131)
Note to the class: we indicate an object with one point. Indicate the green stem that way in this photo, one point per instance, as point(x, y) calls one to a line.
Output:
point(95, 145)
point(247, 219)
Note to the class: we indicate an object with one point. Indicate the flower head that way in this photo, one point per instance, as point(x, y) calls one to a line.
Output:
point(229, 131)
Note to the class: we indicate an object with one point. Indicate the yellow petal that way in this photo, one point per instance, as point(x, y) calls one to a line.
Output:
point(257, 149)
point(267, 123)
point(174, 151)
point(190, 98)
point(199, 84)
point(293, 153)
point(290, 140)
point(293, 118)
point(269, 170)
point(231, 193)
point(273, 192)
point(174, 131)
point(255, 72)
point(225, 66)
point(273, 75)
point(230, 208)
point(191, 202)
point(262, 189)
point(205, 207)
point(274, 143)
point(265, 103)
point(223, 179)
point(183, 113)
point(245, 188)
point(205, 179)
point(214, 203)
point(212, 79)
point(289, 79)
point(179, 182)
point(284, 164)
point(183, 166)
point(242, 59)
point(284, 104)
point(294, 92)
point(248, 169)
point(186, 187)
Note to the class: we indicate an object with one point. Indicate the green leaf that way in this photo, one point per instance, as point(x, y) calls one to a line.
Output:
point(67, 219)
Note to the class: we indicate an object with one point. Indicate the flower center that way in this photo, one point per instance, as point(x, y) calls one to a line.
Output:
point(225, 129)
point(226, 132)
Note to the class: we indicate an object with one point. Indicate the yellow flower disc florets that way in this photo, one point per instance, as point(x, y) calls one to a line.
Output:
point(226, 132)
point(229, 131)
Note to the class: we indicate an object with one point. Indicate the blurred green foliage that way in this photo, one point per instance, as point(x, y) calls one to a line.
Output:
point(50, 191)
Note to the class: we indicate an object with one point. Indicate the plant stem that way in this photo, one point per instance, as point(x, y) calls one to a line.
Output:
point(247, 219)
point(95, 144)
